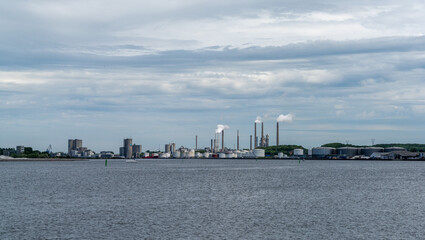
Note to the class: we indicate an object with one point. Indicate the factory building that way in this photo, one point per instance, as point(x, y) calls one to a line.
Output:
point(323, 152)
point(74, 145)
point(20, 149)
point(76, 149)
point(392, 155)
point(128, 148)
point(170, 148)
point(137, 150)
point(264, 141)
point(106, 154)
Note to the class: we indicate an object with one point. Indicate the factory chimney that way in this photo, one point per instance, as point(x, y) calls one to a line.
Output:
point(222, 140)
point(196, 143)
point(262, 140)
point(277, 134)
point(255, 135)
point(250, 142)
point(238, 141)
point(262, 130)
point(211, 145)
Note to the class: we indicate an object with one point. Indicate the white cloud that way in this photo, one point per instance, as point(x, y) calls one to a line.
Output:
point(91, 67)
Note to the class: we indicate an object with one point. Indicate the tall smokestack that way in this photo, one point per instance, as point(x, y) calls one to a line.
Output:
point(222, 140)
point(262, 140)
point(196, 144)
point(255, 135)
point(262, 130)
point(211, 145)
point(215, 142)
point(238, 140)
point(277, 134)
point(250, 142)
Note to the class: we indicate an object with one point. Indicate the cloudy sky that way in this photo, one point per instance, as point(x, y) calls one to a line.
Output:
point(165, 71)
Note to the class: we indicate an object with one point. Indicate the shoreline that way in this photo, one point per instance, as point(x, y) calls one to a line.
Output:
point(268, 159)
point(42, 159)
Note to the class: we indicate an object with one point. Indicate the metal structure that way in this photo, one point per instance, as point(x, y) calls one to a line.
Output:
point(250, 142)
point(255, 135)
point(277, 134)
point(237, 140)
point(222, 140)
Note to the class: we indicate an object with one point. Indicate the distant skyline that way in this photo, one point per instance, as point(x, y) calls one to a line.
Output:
point(165, 71)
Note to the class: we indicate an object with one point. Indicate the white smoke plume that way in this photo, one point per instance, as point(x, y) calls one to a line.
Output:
point(258, 120)
point(220, 128)
point(285, 118)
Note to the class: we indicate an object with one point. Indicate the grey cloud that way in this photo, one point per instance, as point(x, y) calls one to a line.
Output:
point(71, 71)
point(182, 59)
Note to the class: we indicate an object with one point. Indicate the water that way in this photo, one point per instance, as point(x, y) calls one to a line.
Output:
point(218, 199)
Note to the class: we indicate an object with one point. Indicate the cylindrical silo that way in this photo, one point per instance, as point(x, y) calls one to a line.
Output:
point(370, 150)
point(259, 153)
point(348, 151)
point(298, 152)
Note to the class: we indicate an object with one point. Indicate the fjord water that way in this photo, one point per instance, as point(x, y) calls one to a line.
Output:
point(219, 199)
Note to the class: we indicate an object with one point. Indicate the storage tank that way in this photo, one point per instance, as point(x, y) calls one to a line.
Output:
point(244, 154)
point(247, 154)
point(198, 155)
point(394, 149)
point(191, 153)
point(259, 153)
point(206, 154)
point(176, 154)
point(321, 152)
point(370, 150)
point(348, 151)
point(222, 155)
point(280, 155)
point(298, 152)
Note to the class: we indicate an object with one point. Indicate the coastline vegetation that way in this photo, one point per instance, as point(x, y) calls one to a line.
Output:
point(28, 153)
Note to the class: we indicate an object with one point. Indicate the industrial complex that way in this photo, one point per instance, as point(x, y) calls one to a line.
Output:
point(259, 148)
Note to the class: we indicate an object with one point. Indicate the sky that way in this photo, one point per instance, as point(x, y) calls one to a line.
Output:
point(166, 71)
